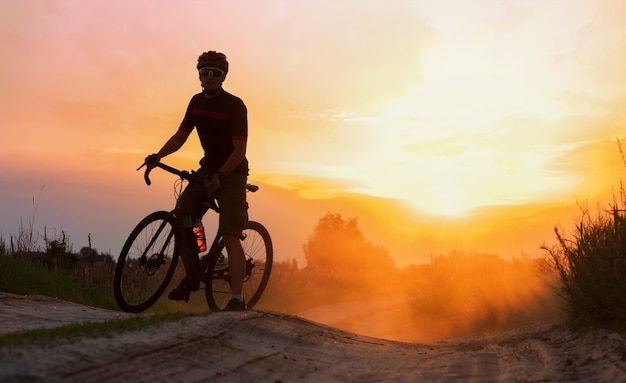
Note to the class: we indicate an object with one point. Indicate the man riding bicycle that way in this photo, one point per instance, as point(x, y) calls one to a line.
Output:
point(221, 121)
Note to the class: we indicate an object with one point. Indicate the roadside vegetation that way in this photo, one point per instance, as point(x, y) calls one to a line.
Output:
point(85, 277)
point(591, 263)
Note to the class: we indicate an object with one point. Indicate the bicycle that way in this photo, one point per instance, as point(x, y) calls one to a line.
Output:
point(149, 257)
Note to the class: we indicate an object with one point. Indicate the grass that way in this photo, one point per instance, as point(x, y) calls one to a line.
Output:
point(23, 274)
point(75, 332)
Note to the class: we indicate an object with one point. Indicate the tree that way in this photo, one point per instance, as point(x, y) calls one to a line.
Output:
point(337, 247)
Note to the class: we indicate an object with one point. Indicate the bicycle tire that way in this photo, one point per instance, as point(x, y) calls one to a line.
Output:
point(259, 253)
point(147, 262)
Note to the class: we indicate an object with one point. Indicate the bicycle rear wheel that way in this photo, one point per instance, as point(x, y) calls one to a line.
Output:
point(147, 262)
point(257, 247)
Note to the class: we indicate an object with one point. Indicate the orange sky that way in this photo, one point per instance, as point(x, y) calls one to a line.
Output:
point(483, 114)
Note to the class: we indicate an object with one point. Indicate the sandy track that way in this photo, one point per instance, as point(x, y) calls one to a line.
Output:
point(270, 347)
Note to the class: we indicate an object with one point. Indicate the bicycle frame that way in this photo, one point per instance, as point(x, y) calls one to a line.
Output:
point(218, 242)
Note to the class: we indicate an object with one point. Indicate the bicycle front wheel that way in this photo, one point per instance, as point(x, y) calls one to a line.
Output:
point(147, 262)
point(257, 247)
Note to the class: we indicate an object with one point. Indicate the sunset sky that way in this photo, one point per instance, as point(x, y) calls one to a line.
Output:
point(459, 111)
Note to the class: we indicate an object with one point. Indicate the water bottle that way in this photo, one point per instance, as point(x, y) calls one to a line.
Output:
point(198, 230)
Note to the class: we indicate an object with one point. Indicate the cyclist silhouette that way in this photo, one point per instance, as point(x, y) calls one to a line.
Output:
point(221, 121)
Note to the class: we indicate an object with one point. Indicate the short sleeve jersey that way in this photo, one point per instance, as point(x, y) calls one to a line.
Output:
point(219, 121)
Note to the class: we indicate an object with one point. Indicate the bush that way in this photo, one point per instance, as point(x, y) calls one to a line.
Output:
point(591, 263)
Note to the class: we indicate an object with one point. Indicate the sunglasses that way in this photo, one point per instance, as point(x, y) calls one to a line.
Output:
point(211, 72)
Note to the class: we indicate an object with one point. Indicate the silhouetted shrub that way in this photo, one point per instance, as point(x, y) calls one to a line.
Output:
point(591, 263)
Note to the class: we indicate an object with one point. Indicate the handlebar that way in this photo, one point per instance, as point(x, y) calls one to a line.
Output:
point(184, 174)
point(181, 173)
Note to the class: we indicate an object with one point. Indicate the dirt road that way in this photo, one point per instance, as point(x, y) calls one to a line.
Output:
point(270, 347)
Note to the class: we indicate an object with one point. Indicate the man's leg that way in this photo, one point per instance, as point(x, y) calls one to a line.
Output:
point(189, 206)
point(187, 252)
point(192, 273)
point(231, 198)
point(236, 263)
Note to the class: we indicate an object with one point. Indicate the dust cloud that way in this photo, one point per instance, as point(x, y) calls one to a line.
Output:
point(350, 284)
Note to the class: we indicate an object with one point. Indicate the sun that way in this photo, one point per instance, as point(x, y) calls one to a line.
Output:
point(448, 204)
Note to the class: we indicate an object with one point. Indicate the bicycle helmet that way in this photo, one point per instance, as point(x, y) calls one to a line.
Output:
point(213, 59)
